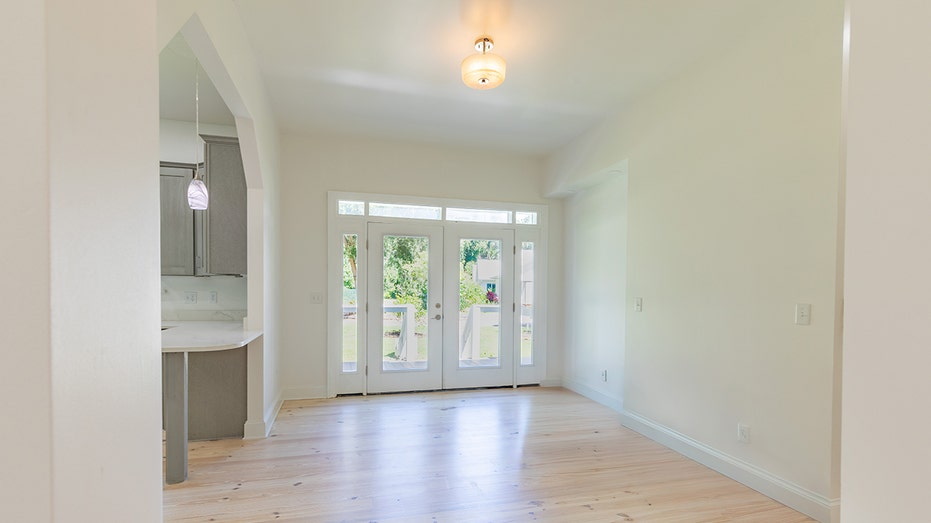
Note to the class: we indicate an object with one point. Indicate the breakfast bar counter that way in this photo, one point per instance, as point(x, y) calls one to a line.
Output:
point(203, 385)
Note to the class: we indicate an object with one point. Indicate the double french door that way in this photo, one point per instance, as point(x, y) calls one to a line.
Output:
point(439, 307)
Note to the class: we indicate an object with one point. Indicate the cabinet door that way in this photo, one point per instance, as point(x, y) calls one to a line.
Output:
point(226, 214)
point(177, 221)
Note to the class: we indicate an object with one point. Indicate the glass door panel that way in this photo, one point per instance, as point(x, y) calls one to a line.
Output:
point(526, 302)
point(479, 303)
point(479, 350)
point(405, 336)
point(404, 304)
point(350, 327)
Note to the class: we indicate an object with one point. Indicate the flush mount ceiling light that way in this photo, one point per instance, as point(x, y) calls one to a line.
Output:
point(483, 70)
point(197, 191)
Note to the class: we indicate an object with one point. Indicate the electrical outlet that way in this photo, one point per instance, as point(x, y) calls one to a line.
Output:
point(316, 297)
point(638, 304)
point(212, 297)
point(803, 314)
point(190, 297)
point(604, 375)
point(743, 433)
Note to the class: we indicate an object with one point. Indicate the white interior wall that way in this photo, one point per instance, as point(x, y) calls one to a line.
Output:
point(733, 188)
point(26, 475)
point(315, 164)
point(104, 227)
point(887, 393)
point(596, 280)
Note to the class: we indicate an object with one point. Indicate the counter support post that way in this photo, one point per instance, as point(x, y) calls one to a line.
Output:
point(175, 400)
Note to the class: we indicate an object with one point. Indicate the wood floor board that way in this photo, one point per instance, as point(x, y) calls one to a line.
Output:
point(501, 455)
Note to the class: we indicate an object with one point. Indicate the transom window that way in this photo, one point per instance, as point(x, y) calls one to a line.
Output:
point(427, 212)
point(393, 210)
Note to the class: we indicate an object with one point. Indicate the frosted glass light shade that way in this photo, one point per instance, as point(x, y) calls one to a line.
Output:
point(483, 71)
point(197, 195)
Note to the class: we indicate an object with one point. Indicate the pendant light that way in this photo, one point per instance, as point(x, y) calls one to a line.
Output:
point(484, 70)
point(197, 191)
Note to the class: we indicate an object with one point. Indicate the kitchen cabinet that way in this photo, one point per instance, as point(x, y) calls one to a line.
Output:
point(177, 220)
point(224, 248)
point(201, 243)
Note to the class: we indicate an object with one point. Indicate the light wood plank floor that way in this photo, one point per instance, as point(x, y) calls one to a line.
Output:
point(530, 454)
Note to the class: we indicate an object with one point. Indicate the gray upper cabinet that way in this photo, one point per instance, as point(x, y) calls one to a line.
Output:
point(225, 245)
point(207, 242)
point(177, 221)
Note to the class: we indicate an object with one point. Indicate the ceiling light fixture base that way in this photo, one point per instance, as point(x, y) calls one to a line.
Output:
point(484, 44)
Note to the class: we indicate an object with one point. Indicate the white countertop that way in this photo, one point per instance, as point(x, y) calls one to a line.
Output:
point(202, 336)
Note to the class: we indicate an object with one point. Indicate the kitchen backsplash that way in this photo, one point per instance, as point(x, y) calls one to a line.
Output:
point(203, 298)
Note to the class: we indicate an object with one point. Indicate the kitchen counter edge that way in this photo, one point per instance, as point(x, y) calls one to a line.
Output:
point(205, 336)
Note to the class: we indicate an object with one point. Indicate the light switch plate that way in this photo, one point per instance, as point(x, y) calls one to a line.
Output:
point(316, 297)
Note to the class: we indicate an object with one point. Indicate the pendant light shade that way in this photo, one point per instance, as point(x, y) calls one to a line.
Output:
point(484, 70)
point(197, 197)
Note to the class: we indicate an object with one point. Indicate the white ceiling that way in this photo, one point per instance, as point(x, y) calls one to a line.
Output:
point(391, 68)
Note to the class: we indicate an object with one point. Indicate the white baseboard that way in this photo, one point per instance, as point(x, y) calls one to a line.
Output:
point(551, 382)
point(272, 414)
point(255, 430)
point(590, 393)
point(305, 393)
point(794, 496)
point(261, 429)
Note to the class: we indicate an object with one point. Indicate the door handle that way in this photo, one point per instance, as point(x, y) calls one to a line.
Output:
point(438, 317)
